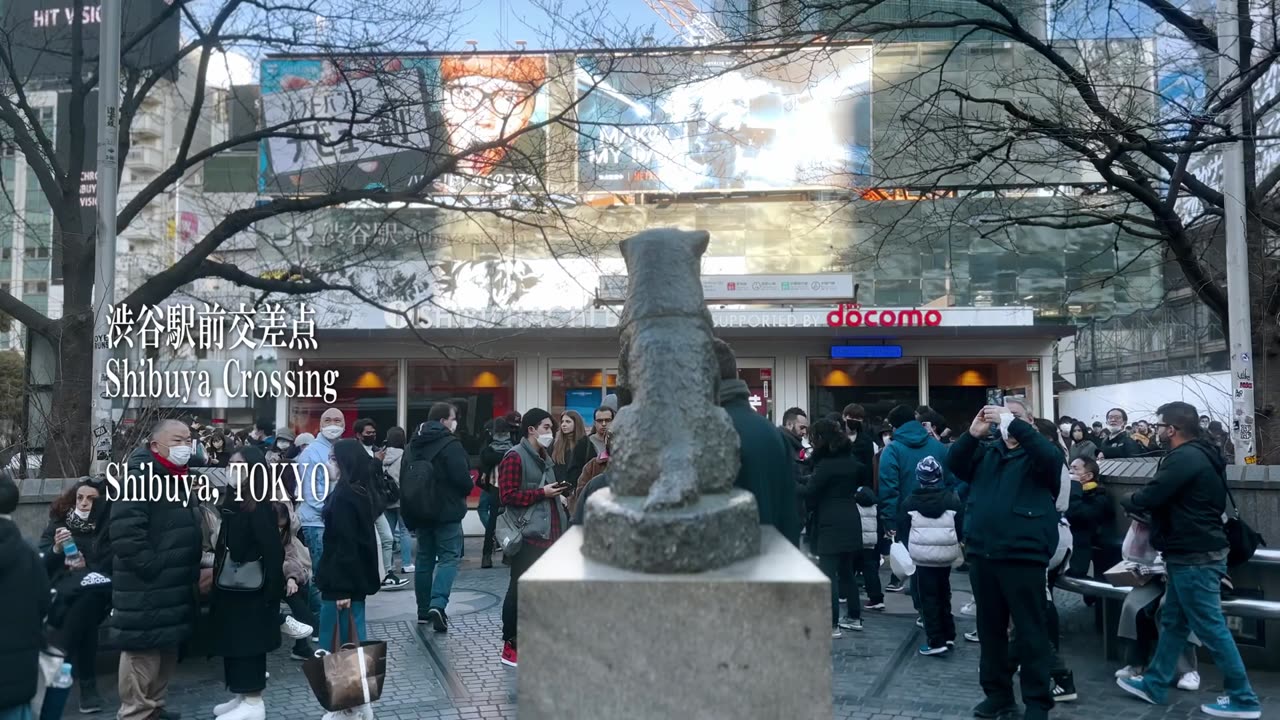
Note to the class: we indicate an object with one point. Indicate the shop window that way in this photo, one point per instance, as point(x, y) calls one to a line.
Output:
point(480, 390)
point(958, 388)
point(876, 385)
point(365, 389)
point(581, 390)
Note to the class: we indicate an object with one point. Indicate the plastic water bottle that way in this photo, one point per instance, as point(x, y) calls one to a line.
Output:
point(56, 694)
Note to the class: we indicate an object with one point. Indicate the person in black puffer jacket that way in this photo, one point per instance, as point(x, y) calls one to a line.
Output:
point(155, 569)
point(348, 571)
point(830, 492)
point(1118, 443)
point(82, 584)
point(23, 605)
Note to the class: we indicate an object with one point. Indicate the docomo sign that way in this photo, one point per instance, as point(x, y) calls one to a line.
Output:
point(852, 315)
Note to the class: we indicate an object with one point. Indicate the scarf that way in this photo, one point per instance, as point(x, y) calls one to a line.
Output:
point(78, 526)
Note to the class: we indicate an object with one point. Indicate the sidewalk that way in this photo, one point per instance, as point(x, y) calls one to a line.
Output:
point(877, 674)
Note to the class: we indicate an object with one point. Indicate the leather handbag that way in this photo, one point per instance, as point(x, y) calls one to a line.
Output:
point(236, 576)
point(349, 676)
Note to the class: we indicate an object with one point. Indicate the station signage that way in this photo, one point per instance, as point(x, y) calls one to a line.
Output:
point(853, 315)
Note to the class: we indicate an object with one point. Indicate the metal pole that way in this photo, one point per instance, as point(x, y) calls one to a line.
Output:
point(1233, 216)
point(104, 280)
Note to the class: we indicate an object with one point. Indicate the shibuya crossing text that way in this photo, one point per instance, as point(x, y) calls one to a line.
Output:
point(142, 380)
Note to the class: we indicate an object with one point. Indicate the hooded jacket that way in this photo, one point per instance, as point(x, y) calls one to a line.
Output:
point(450, 478)
point(156, 548)
point(767, 469)
point(911, 444)
point(1011, 513)
point(1185, 500)
point(23, 605)
point(932, 523)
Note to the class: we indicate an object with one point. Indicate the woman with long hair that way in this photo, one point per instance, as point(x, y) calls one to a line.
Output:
point(349, 568)
point(245, 615)
point(78, 518)
point(830, 492)
point(571, 430)
point(1082, 445)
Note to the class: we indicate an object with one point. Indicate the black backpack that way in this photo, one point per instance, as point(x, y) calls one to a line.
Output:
point(418, 502)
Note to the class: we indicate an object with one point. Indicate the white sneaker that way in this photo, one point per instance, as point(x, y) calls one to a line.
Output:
point(1128, 672)
point(351, 714)
point(248, 709)
point(228, 706)
point(295, 629)
point(408, 568)
point(1189, 682)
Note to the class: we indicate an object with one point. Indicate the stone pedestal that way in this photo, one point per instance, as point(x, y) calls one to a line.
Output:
point(749, 640)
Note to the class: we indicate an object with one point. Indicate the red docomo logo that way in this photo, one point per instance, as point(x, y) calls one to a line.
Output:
point(852, 315)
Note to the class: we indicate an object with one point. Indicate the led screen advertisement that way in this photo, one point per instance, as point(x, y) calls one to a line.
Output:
point(39, 35)
point(683, 122)
point(376, 122)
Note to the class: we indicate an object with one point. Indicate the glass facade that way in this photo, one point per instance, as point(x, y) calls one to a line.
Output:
point(365, 388)
point(958, 387)
point(479, 390)
point(876, 385)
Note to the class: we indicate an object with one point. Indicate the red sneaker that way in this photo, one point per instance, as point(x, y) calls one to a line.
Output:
point(509, 654)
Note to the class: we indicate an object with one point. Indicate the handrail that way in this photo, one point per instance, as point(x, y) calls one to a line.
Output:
point(1238, 607)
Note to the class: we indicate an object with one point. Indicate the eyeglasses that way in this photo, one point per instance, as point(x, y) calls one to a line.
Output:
point(1158, 426)
point(469, 98)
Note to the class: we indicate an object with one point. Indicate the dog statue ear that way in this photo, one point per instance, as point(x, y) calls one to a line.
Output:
point(704, 240)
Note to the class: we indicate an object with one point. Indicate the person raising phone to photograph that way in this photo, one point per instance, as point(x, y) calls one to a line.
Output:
point(528, 487)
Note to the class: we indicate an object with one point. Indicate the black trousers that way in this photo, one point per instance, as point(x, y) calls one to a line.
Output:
point(934, 586)
point(77, 634)
point(834, 565)
point(869, 567)
point(522, 561)
point(1005, 590)
point(245, 675)
point(490, 527)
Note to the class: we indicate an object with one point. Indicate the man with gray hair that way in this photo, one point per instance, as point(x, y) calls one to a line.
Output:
point(156, 546)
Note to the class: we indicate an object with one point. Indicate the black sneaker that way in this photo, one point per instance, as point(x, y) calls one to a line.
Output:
point(439, 622)
point(394, 582)
point(90, 701)
point(991, 708)
point(895, 587)
point(878, 606)
point(302, 651)
point(1064, 687)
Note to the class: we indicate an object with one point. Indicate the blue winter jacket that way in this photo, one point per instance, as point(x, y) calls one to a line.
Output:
point(911, 444)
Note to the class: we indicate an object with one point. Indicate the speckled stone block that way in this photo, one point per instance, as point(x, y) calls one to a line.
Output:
point(748, 640)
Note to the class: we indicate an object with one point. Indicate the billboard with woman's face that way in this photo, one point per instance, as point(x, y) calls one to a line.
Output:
point(463, 121)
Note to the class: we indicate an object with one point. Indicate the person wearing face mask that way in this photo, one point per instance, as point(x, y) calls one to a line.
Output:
point(1081, 445)
point(1011, 535)
point(82, 583)
point(1092, 515)
point(435, 480)
point(528, 488)
point(1119, 444)
point(156, 549)
point(312, 469)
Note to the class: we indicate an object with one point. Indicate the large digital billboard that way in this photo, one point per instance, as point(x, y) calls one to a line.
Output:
point(369, 123)
point(39, 36)
point(682, 122)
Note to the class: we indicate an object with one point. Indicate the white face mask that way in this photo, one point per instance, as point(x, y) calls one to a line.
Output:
point(282, 444)
point(179, 454)
point(545, 440)
point(1065, 428)
point(332, 432)
point(82, 514)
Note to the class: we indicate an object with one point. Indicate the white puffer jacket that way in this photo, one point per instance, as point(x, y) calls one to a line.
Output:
point(870, 536)
point(933, 541)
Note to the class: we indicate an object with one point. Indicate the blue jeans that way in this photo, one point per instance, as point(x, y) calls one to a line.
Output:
point(1193, 603)
point(329, 612)
point(439, 549)
point(313, 538)
point(402, 532)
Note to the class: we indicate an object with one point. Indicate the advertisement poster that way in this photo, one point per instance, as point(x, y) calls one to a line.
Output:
point(389, 123)
point(715, 121)
point(39, 36)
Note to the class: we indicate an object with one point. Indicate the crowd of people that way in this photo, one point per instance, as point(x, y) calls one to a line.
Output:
point(1016, 500)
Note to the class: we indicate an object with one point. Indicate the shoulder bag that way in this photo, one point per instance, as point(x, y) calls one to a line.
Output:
point(235, 576)
point(1242, 540)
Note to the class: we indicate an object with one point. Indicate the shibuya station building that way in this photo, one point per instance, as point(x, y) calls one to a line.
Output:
point(503, 292)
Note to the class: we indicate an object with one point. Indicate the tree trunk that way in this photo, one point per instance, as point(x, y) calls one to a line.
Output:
point(67, 447)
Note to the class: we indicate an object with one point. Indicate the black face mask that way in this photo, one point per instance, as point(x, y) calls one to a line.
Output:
point(368, 440)
point(855, 426)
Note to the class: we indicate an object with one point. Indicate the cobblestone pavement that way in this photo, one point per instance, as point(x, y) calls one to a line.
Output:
point(877, 674)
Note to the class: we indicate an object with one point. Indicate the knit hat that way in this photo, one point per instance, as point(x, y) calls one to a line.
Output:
point(929, 472)
point(305, 439)
point(532, 419)
point(284, 434)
